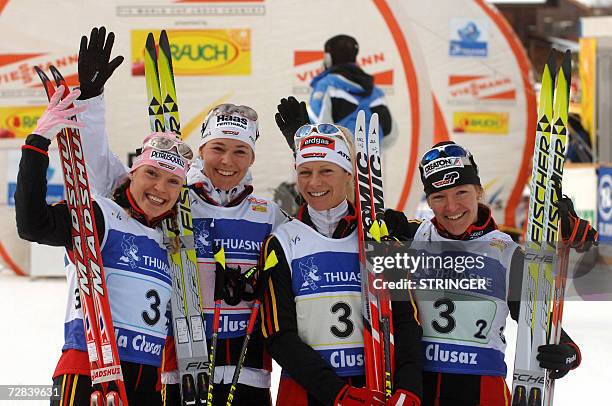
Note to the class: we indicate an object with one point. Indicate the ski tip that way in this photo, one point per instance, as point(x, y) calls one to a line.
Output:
point(150, 45)
point(46, 82)
point(56, 73)
point(163, 37)
point(41, 74)
point(566, 66)
point(360, 122)
point(551, 63)
point(373, 127)
point(59, 79)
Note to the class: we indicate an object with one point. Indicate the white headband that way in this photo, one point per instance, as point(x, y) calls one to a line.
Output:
point(230, 126)
point(317, 147)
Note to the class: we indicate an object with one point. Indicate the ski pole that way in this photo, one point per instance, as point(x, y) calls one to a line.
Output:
point(262, 278)
point(219, 255)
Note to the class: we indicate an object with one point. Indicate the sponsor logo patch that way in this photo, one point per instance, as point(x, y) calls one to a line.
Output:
point(448, 179)
point(318, 142)
point(315, 155)
point(440, 164)
point(161, 156)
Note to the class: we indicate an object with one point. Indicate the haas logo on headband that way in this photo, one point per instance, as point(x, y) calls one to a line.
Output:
point(318, 142)
point(448, 179)
point(224, 118)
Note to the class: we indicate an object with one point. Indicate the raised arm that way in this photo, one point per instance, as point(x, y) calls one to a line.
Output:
point(106, 170)
point(36, 220)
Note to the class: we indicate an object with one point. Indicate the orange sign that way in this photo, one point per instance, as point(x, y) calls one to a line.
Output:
point(310, 64)
point(481, 87)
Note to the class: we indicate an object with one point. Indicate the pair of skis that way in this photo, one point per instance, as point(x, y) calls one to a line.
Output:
point(369, 202)
point(544, 273)
point(102, 351)
point(187, 306)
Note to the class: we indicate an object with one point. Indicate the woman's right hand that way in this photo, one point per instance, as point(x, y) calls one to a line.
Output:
point(57, 115)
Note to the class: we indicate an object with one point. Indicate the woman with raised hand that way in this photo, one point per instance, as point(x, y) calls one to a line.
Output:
point(463, 329)
point(133, 254)
point(311, 315)
point(225, 213)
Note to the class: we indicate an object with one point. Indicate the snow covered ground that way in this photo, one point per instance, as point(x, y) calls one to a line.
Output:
point(32, 313)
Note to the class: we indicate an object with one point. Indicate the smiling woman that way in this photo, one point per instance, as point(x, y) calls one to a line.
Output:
point(225, 214)
point(133, 254)
point(311, 314)
point(463, 327)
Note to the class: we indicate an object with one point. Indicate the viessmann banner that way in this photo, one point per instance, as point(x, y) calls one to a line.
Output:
point(448, 72)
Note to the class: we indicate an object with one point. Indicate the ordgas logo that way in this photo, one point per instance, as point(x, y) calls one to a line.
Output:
point(318, 141)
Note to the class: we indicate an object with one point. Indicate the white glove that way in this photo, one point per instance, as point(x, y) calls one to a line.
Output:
point(57, 115)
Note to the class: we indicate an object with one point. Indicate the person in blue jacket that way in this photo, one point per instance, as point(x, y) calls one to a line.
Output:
point(343, 89)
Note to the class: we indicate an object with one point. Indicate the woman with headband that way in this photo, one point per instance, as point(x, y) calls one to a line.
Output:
point(311, 315)
point(225, 213)
point(127, 226)
point(463, 329)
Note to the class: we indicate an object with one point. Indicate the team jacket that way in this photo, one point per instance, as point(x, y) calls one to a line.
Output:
point(338, 94)
point(240, 228)
point(463, 330)
point(311, 313)
point(135, 266)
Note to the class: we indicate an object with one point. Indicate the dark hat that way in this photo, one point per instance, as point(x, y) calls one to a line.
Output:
point(342, 49)
point(446, 165)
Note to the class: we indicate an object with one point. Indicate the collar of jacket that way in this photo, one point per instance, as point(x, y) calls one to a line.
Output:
point(345, 226)
point(484, 224)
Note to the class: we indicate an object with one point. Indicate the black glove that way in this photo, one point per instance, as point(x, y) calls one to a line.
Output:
point(94, 65)
point(397, 223)
point(577, 232)
point(559, 358)
point(291, 116)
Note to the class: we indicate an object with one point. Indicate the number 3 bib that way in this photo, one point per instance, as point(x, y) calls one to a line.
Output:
point(463, 311)
point(327, 288)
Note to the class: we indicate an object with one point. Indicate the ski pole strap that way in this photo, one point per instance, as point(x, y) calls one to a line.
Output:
point(264, 274)
point(219, 255)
